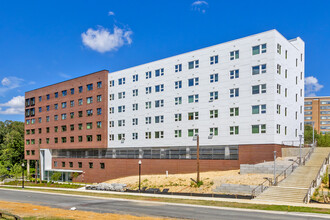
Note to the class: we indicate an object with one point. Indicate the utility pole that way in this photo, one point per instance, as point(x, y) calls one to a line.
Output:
point(197, 158)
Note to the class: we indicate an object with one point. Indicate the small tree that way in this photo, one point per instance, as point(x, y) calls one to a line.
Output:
point(56, 176)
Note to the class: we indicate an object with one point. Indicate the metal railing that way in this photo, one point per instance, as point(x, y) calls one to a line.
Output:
point(317, 180)
point(283, 175)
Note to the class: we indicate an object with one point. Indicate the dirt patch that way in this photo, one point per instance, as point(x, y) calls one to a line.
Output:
point(29, 210)
point(183, 182)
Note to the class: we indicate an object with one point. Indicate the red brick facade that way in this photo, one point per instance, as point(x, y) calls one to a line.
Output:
point(45, 130)
point(116, 168)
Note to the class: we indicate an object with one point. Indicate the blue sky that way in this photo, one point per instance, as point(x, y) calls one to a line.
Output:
point(44, 42)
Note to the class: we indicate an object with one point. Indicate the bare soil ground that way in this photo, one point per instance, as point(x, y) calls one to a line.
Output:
point(183, 182)
point(29, 210)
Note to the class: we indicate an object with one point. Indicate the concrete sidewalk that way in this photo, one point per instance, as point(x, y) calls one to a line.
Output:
point(246, 201)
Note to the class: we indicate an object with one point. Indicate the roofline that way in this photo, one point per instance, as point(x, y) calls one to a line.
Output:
point(317, 97)
point(67, 80)
point(193, 51)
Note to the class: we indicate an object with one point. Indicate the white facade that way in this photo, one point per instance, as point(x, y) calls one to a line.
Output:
point(289, 55)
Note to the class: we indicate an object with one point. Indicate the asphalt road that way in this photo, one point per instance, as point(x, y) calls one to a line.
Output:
point(143, 208)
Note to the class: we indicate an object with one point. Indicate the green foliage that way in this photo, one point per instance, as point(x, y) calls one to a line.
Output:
point(323, 140)
point(56, 176)
point(11, 147)
point(196, 185)
point(325, 178)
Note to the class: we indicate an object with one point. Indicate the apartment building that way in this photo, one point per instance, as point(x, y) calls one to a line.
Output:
point(243, 98)
point(317, 111)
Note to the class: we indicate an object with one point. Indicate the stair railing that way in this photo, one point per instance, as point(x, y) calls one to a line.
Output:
point(316, 182)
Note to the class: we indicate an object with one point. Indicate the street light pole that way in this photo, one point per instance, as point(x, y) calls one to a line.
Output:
point(23, 175)
point(274, 182)
point(197, 158)
point(140, 175)
point(313, 134)
point(300, 137)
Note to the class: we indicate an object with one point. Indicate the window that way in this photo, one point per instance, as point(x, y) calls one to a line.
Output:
point(135, 78)
point(71, 127)
point(177, 133)
point(278, 109)
point(258, 109)
point(234, 92)
point(148, 75)
point(63, 139)
point(55, 129)
point(40, 98)
point(55, 106)
point(121, 81)
point(111, 137)
point(286, 92)
point(278, 129)
point(89, 138)
point(178, 117)
point(111, 110)
point(214, 113)
point(214, 131)
point(159, 119)
point(193, 116)
point(71, 139)
point(121, 108)
point(148, 90)
point(193, 81)
point(55, 117)
point(56, 95)
point(80, 138)
point(148, 135)
point(135, 92)
point(63, 104)
point(234, 55)
point(39, 119)
point(285, 111)
point(89, 112)
point(233, 130)
point(214, 78)
point(279, 48)
point(135, 107)
point(111, 83)
point(112, 97)
point(159, 88)
point(148, 105)
point(89, 125)
point(278, 89)
point(178, 100)
point(193, 64)
point(214, 59)
point(148, 120)
point(192, 132)
point(121, 137)
point(159, 72)
point(234, 111)
point(55, 163)
point(259, 69)
point(256, 49)
point(178, 68)
point(99, 84)
point(279, 69)
point(63, 128)
point(89, 100)
point(64, 93)
point(47, 96)
point(90, 165)
point(40, 109)
point(256, 129)
point(135, 121)
point(39, 130)
point(193, 98)
point(63, 116)
point(259, 89)
point(178, 84)
point(80, 88)
point(89, 87)
point(72, 103)
point(135, 136)
point(80, 114)
point(98, 137)
point(159, 134)
point(80, 101)
point(72, 91)
point(159, 103)
point(234, 74)
point(121, 95)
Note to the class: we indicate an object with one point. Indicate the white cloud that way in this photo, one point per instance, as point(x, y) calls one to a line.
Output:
point(15, 106)
point(63, 75)
point(102, 40)
point(9, 83)
point(111, 13)
point(199, 6)
point(312, 86)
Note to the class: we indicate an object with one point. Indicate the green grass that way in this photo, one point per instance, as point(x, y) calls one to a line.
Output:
point(196, 202)
point(49, 184)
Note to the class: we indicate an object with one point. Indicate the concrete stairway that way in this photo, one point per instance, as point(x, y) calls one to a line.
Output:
point(295, 186)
